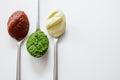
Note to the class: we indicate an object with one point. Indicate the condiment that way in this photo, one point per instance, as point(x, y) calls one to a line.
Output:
point(18, 25)
point(37, 44)
point(56, 23)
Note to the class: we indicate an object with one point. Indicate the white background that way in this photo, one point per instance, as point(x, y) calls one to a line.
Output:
point(89, 49)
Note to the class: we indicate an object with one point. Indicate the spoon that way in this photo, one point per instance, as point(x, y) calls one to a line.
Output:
point(37, 43)
point(56, 26)
point(18, 26)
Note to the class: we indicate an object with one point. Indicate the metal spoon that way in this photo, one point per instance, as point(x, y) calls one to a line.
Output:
point(18, 31)
point(56, 26)
point(38, 40)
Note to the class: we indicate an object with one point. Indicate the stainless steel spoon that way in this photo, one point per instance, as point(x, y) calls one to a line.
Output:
point(18, 31)
point(37, 43)
point(56, 24)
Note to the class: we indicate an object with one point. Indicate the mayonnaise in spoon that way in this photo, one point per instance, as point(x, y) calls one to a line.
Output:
point(56, 25)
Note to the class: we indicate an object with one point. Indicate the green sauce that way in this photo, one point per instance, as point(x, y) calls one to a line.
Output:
point(37, 44)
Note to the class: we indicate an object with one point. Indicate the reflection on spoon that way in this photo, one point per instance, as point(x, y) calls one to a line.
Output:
point(56, 25)
point(18, 26)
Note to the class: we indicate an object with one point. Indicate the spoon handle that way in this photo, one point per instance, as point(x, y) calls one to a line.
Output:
point(55, 69)
point(18, 73)
point(38, 16)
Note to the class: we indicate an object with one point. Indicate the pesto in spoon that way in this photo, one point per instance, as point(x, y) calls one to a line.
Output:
point(37, 43)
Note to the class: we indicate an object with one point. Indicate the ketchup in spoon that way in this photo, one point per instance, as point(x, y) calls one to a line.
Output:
point(18, 26)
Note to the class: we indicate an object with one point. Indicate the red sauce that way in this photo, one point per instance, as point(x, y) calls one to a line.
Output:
point(18, 25)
